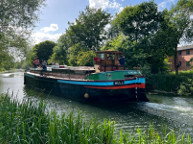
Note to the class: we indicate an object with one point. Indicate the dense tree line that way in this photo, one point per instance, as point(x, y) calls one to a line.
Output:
point(147, 36)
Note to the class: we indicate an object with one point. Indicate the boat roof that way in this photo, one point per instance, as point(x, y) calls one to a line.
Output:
point(109, 51)
point(83, 68)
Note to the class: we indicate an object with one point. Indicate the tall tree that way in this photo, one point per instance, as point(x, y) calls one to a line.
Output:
point(60, 51)
point(182, 24)
point(18, 13)
point(146, 34)
point(85, 34)
point(43, 50)
point(88, 29)
point(16, 16)
point(138, 21)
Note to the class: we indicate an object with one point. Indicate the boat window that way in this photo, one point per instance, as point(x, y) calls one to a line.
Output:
point(115, 56)
point(101, 56)
point(109, 57)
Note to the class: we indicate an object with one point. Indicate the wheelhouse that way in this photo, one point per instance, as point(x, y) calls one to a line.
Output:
point(108, 61)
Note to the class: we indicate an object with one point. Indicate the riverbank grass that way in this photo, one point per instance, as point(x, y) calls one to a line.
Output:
point(23, 123)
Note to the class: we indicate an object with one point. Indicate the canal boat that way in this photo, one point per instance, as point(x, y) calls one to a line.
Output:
point(107, 81)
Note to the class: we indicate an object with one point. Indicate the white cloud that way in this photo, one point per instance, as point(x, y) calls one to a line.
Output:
point(52, 27)
point(38, 37)
point(104, 4)
point(43, 34)
point(108, 26)
point(121, 9)
point(163, 4)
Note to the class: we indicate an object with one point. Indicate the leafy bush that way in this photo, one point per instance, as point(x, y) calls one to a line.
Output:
point(186, 88)
point(169, 82)
point(85, 58)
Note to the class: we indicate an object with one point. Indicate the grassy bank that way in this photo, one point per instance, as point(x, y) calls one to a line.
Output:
point(169, 82)
point(28, 123)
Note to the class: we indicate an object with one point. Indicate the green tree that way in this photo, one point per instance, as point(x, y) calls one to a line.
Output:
point(88, 29)
point(18, 13)
point(16, 17)
point(182, 24)
point(85, 58)
point(29, 57)
point(73, 52)
point(144, 36)
point(60, 51)
point(43, 50)
point(124, 44)
point(138, 21)
point(7, 62)
point(87, 33)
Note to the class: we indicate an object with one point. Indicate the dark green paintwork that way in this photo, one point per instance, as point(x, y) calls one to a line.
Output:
point(112, 75)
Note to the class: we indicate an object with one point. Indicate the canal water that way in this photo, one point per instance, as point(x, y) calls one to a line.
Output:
point(175, 112)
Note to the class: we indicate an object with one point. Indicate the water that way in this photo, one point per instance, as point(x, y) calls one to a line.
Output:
point(175, 112)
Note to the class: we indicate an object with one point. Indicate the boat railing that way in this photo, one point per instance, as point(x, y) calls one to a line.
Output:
point(65, 73)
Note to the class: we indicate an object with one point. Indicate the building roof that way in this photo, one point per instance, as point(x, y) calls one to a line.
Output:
point(185, 47)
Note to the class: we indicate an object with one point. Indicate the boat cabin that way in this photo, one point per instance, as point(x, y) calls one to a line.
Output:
point(108, 61)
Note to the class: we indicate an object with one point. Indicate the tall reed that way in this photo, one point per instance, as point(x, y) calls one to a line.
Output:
point(24, 123)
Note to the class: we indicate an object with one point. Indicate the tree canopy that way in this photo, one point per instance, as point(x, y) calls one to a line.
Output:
point(16, 16)
point(85, 34)
point(138, 21)
point(18, 13)
point(142, 37)
point(89, 27)
point(43, 50)
point(179, 19)
point(146, 35)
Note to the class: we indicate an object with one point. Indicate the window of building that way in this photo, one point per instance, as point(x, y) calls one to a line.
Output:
point(180, 52)
point(180, 63)
point(187, 64)
point(187, 52)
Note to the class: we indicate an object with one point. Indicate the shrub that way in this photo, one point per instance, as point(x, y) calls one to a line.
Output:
point(169, 82)
point(186, 88)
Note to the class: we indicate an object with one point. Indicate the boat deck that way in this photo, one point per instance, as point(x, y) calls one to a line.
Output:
point(60, 77)
point(66, 73)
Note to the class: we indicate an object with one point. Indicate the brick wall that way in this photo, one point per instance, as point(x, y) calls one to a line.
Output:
point(183, 57)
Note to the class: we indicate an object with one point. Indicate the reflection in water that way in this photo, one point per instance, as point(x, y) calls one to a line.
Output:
point(7, 75)
point(175, 112)
point(12, 83)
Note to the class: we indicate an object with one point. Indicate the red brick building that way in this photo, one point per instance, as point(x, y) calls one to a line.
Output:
point(185, 53)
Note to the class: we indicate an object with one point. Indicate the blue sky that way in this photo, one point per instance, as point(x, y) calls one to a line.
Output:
point(54, 17)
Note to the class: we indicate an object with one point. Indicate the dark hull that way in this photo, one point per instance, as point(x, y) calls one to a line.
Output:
point(85, 93)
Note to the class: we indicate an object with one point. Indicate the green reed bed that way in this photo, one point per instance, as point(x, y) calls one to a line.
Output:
point(28, 123)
